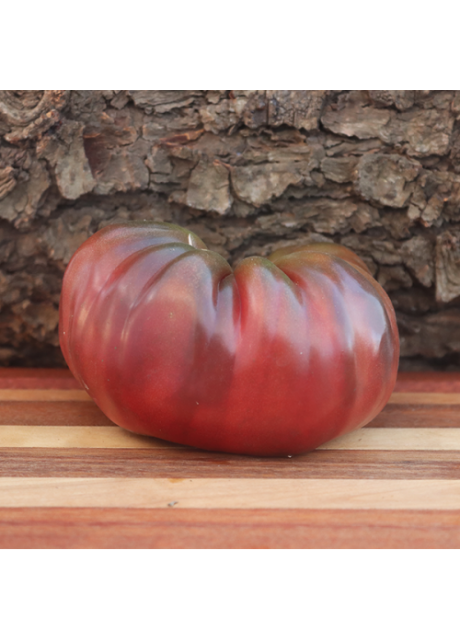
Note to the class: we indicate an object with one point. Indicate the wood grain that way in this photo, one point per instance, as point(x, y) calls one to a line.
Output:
point(63, 395)
point(74, 413)
point(398, 440)
point(26, 378)
point(69, 478)
point(49, 395)
point(413, 416)
point(37, 379)
point(76, 437)
point(70, 413)
point(427, 381)
point(227, 529)
point(230, 493)
point(424, 398)
point(172, 463)
point(115, 438)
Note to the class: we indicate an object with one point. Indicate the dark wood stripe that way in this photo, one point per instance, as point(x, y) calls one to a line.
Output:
point(405, 416)
point(37, 379)
point(23, 378)
point(191, 463)
point(223, 529)
point(88, 414)
point(428, 382)
point(52, 414)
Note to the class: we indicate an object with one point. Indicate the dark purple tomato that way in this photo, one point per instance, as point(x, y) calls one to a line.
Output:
point(274, 357)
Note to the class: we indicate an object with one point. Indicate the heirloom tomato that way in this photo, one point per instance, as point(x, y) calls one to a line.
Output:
point(274, 357)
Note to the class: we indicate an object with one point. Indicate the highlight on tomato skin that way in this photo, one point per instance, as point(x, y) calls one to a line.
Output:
point(273, 358)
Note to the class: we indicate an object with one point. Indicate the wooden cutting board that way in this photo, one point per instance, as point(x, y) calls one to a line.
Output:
point(69, 478)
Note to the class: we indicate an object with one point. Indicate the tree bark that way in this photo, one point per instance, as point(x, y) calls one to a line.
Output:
point(249, 172)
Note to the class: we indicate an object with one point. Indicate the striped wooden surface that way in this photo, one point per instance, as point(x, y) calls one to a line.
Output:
point(70, 478)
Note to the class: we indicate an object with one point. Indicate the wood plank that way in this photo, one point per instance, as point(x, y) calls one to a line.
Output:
point(27, 378)
point(407, 380)
point(72, 413)
point(62, 395)
point(398, 440)
point(230, 493)
point(428, 381)
point(78, 437)
point(59, 437)
point(193, 463)
point(425, 398)
point(227, 529)
point(41, 395)
point(414, 416)
point(14, 378)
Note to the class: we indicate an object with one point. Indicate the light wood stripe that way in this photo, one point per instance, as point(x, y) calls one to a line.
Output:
point(44, 395)
point(230, 493)
point(397, 440)
point(116, 438)
point(425, 398)
point(62, 395)
point(76, 438)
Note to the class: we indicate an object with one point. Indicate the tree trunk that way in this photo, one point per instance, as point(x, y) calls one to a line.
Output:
point(249, 172)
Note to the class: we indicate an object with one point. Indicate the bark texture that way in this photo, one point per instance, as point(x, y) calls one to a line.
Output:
point(249, 172)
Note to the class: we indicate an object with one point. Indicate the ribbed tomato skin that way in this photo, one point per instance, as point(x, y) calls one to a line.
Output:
point(275, 357)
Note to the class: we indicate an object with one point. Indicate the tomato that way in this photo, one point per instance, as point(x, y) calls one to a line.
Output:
point(275, 357)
